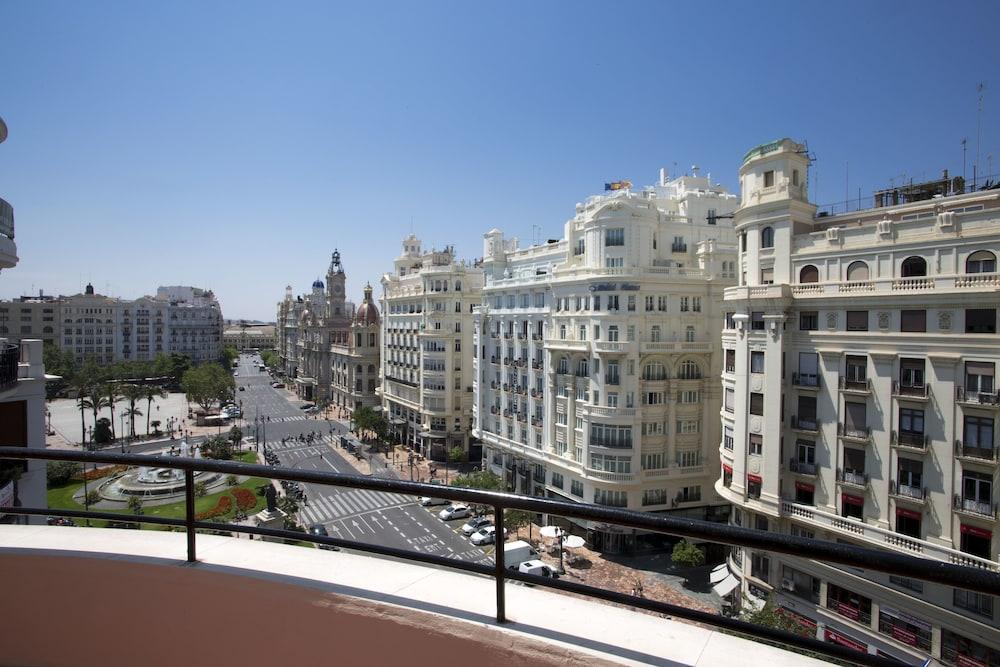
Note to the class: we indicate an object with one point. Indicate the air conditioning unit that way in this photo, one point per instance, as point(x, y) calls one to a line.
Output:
point(788, 585)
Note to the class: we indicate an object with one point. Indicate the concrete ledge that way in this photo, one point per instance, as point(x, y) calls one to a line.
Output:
point(255, 602)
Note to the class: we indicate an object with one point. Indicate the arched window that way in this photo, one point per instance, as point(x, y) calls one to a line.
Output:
point(690, 371)
point(767, 237)
point(914, 267)
point(809, 274)
point(654, 371)
point(857, 271)
point(981, 261)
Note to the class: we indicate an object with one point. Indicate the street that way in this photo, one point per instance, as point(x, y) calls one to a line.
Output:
point(373, 517)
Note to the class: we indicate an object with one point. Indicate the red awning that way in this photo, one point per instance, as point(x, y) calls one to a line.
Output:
point(728, 468)
point(852, 500)
point(756, 479)
point(909, 514)
point(802, 486)
point(977, 532)
point(836, 638)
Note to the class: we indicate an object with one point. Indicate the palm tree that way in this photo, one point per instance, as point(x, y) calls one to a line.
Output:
point(112, 396)
point(153, 392)
point(81, 384)
point(93, 400)
point(132, 393)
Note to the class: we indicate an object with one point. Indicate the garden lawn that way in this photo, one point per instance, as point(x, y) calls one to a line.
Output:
point(62, 498)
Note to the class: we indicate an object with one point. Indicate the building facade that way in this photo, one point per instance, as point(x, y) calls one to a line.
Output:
point(354, 359)
point(860, 404)
point(108, 330)
point(286, 332)
point(250, 337)
point(22, 396)
point(324, 318)
point(595, 363)
point(427, 348)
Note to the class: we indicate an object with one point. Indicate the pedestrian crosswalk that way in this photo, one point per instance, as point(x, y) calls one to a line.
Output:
point(341, 504)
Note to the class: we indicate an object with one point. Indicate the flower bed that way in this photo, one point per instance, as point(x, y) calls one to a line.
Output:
point(245, 498)
point(224, 506)
point(97, 473)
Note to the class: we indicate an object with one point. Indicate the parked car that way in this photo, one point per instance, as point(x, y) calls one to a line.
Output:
point(475, 524)
point(306, 406)
point(484, 536)
point(538, 568)
point(427, 501)
point(320, 529)
point(453, 512)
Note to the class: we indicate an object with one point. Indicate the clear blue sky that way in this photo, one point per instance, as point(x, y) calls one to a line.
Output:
point(233, 145)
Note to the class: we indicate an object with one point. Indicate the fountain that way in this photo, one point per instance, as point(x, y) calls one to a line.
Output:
point(160, 482)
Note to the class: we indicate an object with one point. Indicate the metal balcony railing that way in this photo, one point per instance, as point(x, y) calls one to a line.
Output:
point(963, 450)
point(907, 491)
point(853, 431)
point(9, 356)
point(973, 506)
point(808, 380)
point(909, 390)
point(948, 574)
point(963, 395)
point(802, 467)
point(910, 440)
point(847, 384)
point(804, 423)
point(854, 478)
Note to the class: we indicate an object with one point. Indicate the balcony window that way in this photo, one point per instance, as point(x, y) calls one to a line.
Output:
point(978, 435)
point(856, 423)
point(755, 444)
point(727, 438)
point(980, 604)
point(981, 261)
point(754, 483)
point(913, 321)
point(576, 488)
point(857, 320)
point(910, 475)
point(805, 494)
point(849, 604)
point(857, 271)
point(977, 493)
point(808, 320)
point(857, 371)
point(760, 566)
point(976, 541)
point(854, 461)
point(756, 403)
point(800, 584)
point(806, 454)
point(730, 400)
point(808, 369)
point(852, 506)
point(904, 628)
point(807, 412)
point(756, 361)
point(767, 276)
point(809, 274)
point(911, 374)
point(981, 320)
point(913, 267)
point(911, 426)
point(757, 321)
point(730, 361)
point(979, 377)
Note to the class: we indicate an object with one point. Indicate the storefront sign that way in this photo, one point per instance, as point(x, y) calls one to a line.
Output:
point(976, 532)
point(836, 638)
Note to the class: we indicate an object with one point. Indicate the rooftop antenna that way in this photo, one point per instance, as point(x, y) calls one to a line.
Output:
point(979, 130)
point(964, 147)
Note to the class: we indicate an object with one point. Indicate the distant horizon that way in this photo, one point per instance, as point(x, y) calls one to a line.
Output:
point(132, 162)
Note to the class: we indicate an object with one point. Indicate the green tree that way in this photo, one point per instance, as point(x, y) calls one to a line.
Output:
point(515, 520)
point(229, 354)
point(93, 497)
point(217, 448)
point(483, 480)
point(200, 489)
point(58, 473)
point(364, 418)
point(207, 384)
point(135, 505)
point(686, 554)
point(289, 506)
point(456, 454)
point(236, 437)
point(152, 392)
point(59, 363)
point(102, 431)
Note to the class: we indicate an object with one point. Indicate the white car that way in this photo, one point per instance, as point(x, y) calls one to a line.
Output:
point(475, 524)
point(454, 512)
point(484, 536)
point(427, 501)
point(538, 568)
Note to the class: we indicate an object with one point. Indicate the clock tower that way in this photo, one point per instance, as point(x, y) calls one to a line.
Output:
point(335, 280)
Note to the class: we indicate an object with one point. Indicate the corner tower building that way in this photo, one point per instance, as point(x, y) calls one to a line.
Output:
point(859, 404)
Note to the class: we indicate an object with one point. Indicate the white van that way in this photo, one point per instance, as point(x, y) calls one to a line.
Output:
point(515, 553)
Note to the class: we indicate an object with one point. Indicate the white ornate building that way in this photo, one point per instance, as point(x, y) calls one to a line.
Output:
point(860, 404)
point(596, 357)
point(427, 348)
point(354, 359)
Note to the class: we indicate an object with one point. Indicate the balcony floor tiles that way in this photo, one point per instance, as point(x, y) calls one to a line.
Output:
point(562, 623)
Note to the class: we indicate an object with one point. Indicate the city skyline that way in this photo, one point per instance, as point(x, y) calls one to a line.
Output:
point(214, 141)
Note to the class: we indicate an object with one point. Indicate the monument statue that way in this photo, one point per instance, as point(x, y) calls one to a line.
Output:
point(270, 495)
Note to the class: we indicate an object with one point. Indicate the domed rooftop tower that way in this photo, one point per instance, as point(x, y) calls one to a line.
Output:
point(367, 314)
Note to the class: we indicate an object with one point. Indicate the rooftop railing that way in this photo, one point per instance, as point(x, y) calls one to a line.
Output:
point(979, 580)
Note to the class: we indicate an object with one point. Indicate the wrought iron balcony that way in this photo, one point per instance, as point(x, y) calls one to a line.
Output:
point(909, 440)
point(802, 467)
point(807, 424)
point(912, 392)
point(855, 386)
point(806, 380)
point(974, 506)
point(975, 453)
point(852, 478)
point(854, 432)
point(976, 398)
point(917, 493)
